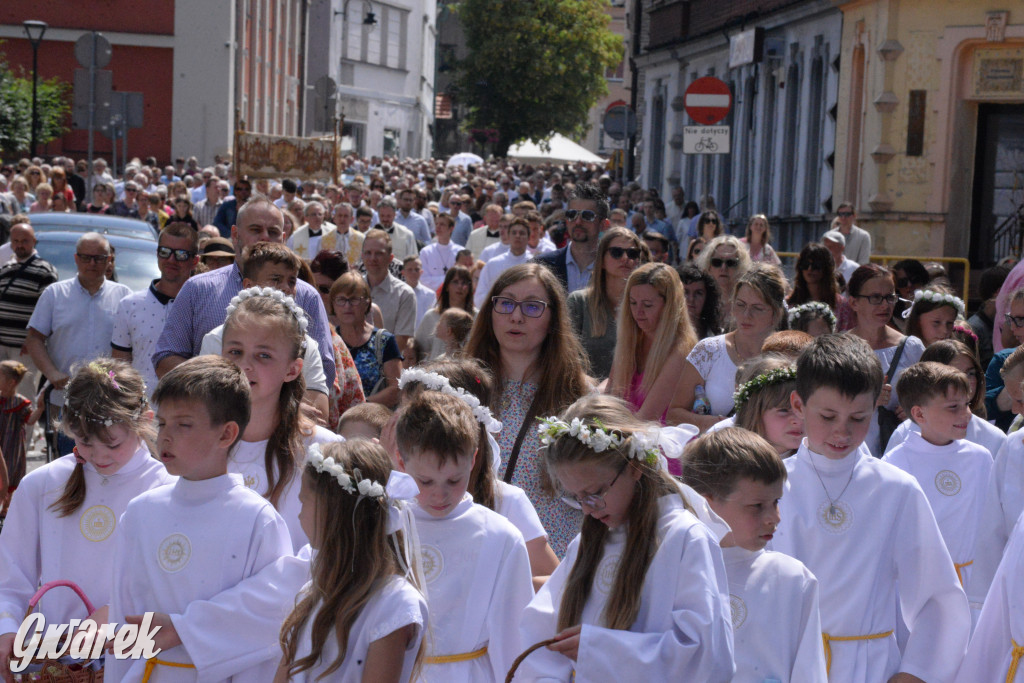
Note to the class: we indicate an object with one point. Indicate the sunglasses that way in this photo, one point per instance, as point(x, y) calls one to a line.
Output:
point(179, 254)
point(585, 215)
point(845, 214)
point(713, 221)
point(506, 306)
point(618, 252)
point(727, 262)
point(813, 266)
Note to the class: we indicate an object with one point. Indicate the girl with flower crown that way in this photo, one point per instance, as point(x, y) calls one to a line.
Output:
point(642, 592)
point(361, 617)
point(65, 516)
point(264, 335)
point(933, 314)
point(763, 405)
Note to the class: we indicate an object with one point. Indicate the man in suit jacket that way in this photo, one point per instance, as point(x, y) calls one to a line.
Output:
point(585, 218)
point(227, 214)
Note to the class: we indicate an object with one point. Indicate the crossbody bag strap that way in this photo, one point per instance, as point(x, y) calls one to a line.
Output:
point(895, 360)
point(531, 414)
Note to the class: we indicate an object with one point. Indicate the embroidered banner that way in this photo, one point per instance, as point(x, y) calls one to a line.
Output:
point(275, 156)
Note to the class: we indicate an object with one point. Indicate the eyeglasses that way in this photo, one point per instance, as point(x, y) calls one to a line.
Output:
point(506, 306)
point(618, 252)
point(179, 254)
point(728, 262)
point(35, 173)
point(585, 215)
point(453, 203)
point(1014, 320)
point(845, 214)
point(875, 299)
point(90, 258)
point(594, 501)
point(130, 189)
point(342, 302)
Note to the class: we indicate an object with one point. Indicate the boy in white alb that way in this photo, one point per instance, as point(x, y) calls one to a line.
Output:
point(199, 537)
point(475, 563)
point(866, 531)
point(952, 471)
point(774, 598)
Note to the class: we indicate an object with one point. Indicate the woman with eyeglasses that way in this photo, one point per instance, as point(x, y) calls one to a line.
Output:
point(374, 350)
point(653, 343)
point(456, 292)
point(595, 309)
point(758, 307)
point(815, 278)
point(873, 296)
point(726, 258)
point(757, 239)
point(523, 334)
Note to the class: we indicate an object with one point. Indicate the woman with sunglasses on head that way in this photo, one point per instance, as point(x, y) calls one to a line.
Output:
point(759, 308)
point(873, 296)
point(815, 278)
point(757, 239)
point(456, 292)
point(595, 309)
point(726, 258)
point(522, 334)
point(702, 300)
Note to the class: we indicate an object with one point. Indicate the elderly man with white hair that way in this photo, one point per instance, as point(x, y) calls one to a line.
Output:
point(313, 235)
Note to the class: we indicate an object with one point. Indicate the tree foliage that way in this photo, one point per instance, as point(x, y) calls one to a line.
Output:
point(534, 66)
point(52, 103)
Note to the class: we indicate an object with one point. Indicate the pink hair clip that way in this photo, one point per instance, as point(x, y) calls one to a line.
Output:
point(113, 380)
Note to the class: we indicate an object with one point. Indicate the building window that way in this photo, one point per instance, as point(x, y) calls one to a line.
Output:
point(816, 117)
point(392, 142)
point(383, 44)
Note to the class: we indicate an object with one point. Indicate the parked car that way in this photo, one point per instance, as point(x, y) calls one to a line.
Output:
point(135, 263)
point(91, 222)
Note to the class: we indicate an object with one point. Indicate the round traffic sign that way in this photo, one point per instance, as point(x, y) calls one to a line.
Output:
point(707, 100)
point(90, 43)
point(619, 122)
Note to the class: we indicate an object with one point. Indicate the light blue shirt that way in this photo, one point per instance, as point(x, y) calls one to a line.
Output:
point(463, 226)
point(77, 325)
point(416, 224)
point(578, 277)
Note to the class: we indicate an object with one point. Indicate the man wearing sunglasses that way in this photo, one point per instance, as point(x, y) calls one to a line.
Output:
point(585, 219)
point(858, 241)
point(74, 319)
point(140, 316)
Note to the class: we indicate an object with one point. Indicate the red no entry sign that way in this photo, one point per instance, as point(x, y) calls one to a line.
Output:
point(707, 100)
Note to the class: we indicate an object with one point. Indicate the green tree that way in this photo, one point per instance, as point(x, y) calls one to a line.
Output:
point(52, 101)
point(534, 66)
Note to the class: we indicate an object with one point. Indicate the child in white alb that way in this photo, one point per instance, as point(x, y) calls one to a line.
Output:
point(952, 471)
point(866, 531)
point(774, 598)
point(475, 564)
point(360, 569)
point(192, 540)
point(641, 594)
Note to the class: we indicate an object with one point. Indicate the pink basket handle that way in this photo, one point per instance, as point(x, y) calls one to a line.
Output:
point(54, 584)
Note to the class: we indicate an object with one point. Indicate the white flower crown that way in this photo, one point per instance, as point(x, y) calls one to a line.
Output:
point(276, 295)
point(931, 296)
point(819, 307)
point(437, 382)
point(352, 483)
point(598, 437)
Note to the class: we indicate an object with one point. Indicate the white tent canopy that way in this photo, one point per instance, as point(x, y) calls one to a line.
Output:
point(562, 151)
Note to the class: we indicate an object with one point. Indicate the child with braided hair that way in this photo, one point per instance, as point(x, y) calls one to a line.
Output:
point(65, 517)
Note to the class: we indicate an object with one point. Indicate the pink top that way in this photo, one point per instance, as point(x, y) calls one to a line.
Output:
point(635, 398)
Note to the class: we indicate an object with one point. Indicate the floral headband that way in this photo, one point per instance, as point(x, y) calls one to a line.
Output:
point(931, 296)
point(598, 438)
point(400, 486)
point(437, 382)
point(276, 295)
point(963, 329)
point(107, 421)
point(822, 309)
point(770, 378)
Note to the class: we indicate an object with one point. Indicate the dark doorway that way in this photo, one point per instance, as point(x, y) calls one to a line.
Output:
point(998, 184)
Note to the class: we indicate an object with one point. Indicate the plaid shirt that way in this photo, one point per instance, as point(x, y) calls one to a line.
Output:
point(201, 306)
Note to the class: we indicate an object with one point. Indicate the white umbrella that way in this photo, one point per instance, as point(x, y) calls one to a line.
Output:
point(464, 159)
point(561, 150)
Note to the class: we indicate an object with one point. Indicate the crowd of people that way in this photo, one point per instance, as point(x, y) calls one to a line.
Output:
point(411, 423)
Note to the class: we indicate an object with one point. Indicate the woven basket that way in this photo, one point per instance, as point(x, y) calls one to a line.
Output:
point(66, 670)
point(519, 660)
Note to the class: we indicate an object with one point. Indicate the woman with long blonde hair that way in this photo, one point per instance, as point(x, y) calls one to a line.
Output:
point(653, 342)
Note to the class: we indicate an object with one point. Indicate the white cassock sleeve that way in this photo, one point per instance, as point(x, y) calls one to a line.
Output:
point(988, 657)
point(540, 622)
point(217, 657)
point(20, 559)
point(697, 648)
point(261, 602)
point(932, 602)
point(512, 593)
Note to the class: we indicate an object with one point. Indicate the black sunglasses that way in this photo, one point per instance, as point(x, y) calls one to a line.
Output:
point(179, 254)
point(727, 262)
point(585, 215)
point(617, 252)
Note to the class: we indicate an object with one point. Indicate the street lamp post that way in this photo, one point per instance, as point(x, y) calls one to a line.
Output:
point(35, 30)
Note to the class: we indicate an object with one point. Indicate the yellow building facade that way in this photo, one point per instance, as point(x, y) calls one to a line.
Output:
point(930, 125)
